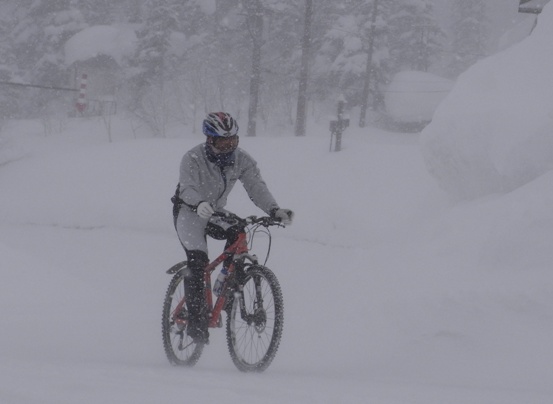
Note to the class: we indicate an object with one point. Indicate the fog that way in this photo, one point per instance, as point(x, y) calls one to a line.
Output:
point(417, 269)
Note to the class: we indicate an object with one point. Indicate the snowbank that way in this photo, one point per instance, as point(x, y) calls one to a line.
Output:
point(492, 134)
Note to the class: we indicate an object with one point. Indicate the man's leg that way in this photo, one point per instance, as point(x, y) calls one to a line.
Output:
point(220, 230)
point(191, 231)
point(195, 296)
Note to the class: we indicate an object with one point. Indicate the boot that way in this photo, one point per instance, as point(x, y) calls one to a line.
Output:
point(194, 287)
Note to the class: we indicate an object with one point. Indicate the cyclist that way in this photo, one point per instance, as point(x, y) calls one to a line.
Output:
point(208, 173)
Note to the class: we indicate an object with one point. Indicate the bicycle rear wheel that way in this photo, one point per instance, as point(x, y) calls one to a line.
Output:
point(255, 320)
point(178, 346)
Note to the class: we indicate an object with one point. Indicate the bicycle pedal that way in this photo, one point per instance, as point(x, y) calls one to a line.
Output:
point(220, 322)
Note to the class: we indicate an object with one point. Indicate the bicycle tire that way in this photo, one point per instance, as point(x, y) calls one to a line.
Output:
point(253, 336)
point(178, 346)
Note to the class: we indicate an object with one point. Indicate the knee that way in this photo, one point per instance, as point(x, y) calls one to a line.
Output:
point(197, 260)
point(233, 233)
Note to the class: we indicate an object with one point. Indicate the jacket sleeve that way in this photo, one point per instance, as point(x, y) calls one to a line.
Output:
point(255, 186)
point(189, 179)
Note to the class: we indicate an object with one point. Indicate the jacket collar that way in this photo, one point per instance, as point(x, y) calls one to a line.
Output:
point(222, 159)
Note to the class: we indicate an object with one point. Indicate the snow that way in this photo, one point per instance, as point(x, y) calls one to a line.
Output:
point(518, 32)
point(207, 6)
point(492, 134)
point(413, 96)
point(117, 41)
point(393, 292)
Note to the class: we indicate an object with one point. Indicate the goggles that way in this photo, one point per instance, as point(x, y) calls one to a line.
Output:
point(225, 144)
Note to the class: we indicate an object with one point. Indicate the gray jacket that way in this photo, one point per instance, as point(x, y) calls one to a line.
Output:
point(201, 180)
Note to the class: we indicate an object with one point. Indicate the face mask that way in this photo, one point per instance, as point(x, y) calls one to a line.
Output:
point(220, 159)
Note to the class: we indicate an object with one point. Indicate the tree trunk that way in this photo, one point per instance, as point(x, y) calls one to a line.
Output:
point(255, 23)
point(301, 114)
point(368, 69)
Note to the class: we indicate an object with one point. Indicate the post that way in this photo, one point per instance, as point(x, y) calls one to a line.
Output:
point(81, 101)
point(337, 126)
point(339, 129)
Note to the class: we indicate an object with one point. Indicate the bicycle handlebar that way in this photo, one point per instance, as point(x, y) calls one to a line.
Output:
point(265, 221)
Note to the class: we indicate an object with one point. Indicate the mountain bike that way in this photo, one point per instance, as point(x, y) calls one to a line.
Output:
point(251, 297)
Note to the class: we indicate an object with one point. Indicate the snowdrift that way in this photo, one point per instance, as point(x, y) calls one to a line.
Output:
point(493, 133)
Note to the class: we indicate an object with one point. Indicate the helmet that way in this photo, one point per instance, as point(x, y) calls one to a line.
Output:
point(220, 124)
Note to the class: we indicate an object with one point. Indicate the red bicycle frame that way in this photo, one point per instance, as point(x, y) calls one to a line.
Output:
point(240, 246)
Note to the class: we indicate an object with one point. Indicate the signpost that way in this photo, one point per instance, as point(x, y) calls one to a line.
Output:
point(338, 125)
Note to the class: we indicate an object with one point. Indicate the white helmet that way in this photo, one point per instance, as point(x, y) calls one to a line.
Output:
point(220, 124)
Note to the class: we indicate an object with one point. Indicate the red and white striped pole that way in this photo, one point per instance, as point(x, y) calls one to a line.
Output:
point(81, 101)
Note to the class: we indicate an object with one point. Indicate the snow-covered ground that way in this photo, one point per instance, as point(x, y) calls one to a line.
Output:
point(392, 294)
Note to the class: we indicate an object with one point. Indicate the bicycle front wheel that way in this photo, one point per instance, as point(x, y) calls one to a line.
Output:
point(178, 346)
point(255, 320)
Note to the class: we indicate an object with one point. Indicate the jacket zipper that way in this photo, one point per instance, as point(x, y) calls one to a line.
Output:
point(224, 182)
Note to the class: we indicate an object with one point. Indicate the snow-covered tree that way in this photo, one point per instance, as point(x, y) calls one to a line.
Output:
point(468, 35)
point(39, 33)
point(8, 93)
point(196, 56)
point(356, 44)
point(156, 61)
point(415, 37)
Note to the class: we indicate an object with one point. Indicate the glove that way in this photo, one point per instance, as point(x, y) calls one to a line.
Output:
point(284, 215)
point(204, 210)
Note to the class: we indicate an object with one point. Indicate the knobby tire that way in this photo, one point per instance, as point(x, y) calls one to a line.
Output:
point(254, 332)
point(178, 346)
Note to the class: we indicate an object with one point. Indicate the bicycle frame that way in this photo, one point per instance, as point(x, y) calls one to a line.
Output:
point(239, 247)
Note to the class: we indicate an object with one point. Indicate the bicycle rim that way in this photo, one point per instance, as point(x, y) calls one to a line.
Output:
point(178, 346)
point(255, 321)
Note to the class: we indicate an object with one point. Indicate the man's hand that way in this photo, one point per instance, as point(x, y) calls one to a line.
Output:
point(204, 210)
point(286, 216)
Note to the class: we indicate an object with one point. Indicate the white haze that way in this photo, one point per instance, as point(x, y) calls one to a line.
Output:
point(393, 293)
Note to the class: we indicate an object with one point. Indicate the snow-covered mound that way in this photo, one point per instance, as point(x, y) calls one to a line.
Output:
point(493, 133)
point(413, 96)
point(115, 41)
